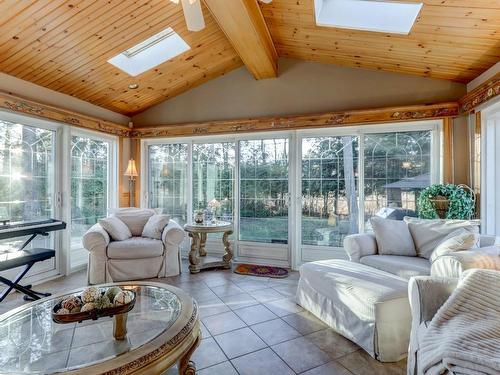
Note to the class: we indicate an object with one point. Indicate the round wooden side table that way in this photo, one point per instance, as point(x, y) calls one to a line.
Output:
point(198, 258)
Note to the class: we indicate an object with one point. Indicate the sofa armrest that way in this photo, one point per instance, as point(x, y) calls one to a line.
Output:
point(487, 240)
point(173, 234)
point(360, 245)
point(96, 240)
point(454, 264)
point(426, 295)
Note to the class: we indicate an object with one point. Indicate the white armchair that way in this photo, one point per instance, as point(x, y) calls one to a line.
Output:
point(134, 258)
point(427, 294)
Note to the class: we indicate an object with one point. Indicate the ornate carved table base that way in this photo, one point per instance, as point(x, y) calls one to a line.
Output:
point(198, 258)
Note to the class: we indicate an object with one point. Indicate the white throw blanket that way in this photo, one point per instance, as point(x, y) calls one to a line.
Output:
point(464, 335)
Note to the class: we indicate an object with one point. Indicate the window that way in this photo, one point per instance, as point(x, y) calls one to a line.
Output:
point(90, 183)
point(397, 167)
point(27, 182)
point(213, 177)
point(380, 16)
point(26, 172)
point(264, 197)
point(153, 51)
point(167, 179)
point(329, 190)
point(295, 195)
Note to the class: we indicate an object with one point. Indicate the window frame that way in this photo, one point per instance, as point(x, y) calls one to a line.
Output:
point(307, 253)
point(112, 181)
point(294, 248)
point(58, 129)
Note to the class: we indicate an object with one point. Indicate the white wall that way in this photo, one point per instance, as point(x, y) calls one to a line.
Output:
point(302, 87)
point(483, 77)
point(29, 90)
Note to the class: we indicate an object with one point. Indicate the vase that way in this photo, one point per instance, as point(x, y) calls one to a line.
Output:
point(199, 217)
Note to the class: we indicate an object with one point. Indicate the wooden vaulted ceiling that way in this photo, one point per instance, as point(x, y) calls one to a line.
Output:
point(65, 44)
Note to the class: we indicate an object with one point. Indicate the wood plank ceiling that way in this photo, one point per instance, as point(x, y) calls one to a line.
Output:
point(65, 44)
point(451, 39)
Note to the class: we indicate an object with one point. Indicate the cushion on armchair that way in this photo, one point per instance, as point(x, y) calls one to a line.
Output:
point(155, 225)
point(134, 218)
point(393, 237)
point(427, 234)
point(459, 240)
point(116, 228)
point(135, 248)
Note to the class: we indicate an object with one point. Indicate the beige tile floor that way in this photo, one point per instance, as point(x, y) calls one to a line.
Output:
point(252, 326)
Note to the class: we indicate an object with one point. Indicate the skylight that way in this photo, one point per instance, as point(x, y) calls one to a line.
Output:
point(371, 15)
point(150, 53)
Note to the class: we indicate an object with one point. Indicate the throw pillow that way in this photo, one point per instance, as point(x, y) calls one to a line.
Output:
point(427, 234)
point(155, 225)
point(393, 237)
point(134, 218)
point(116, 228)
point(459, 240)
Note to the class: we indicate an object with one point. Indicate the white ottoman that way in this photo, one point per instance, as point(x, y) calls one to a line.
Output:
point(368, 306)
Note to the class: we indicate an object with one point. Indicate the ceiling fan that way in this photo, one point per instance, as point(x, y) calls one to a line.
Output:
point(194, 15)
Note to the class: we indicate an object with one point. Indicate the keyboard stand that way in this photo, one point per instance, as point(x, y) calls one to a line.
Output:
point(26, 258)
point(30, 295)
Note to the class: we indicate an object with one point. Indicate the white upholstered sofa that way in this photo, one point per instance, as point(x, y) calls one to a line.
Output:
point(362, 248)
point(365, 298)
point(134, 258)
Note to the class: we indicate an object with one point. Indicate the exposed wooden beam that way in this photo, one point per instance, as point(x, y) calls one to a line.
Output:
point(244, 25)
point(333, 119)
point(30, 107)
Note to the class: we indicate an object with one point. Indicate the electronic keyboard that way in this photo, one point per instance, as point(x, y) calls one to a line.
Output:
point(27, 228)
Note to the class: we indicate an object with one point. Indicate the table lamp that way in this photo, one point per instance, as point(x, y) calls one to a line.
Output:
point(131, 173)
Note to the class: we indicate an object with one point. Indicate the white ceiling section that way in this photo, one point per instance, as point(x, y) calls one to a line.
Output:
point(368, 15)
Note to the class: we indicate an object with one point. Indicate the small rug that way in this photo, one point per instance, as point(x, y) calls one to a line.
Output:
point(265, 271)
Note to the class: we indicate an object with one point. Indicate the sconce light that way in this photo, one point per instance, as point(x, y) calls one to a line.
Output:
point(131, 173)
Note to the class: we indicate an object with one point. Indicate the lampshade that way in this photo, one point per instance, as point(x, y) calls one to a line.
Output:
point(131, 169)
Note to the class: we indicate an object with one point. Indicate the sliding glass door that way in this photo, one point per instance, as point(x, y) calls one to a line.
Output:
point(213, 177)
point(397, 167)
point(330, 171)
point(294, 196)
point(168, 179)
point(91, 180)
point(264, 191)
point(27, 182)
point(347, 179)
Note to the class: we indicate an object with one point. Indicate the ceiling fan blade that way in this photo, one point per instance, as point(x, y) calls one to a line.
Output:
point(193, 15)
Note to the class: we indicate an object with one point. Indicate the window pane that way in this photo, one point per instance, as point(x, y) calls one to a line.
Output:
point(329, 190)
point(89, 189)
point(264, 195)
point(213, 177)
point(168, 180)
point(397, 168)
point(26, 177)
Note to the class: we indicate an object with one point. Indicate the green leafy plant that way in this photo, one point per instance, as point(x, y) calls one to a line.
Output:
point(461, 202)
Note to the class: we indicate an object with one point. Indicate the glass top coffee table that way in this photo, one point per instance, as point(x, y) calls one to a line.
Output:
point(162, 329)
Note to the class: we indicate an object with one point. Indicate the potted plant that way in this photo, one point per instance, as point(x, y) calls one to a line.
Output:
point(446, 201)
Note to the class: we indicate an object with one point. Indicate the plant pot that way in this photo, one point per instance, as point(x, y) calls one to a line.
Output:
point(441, 205)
